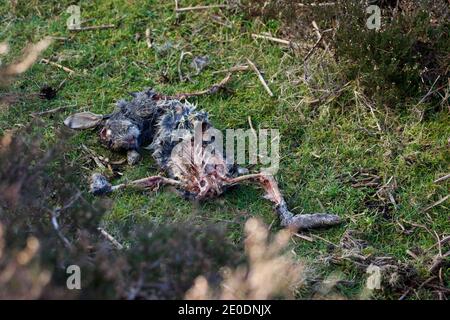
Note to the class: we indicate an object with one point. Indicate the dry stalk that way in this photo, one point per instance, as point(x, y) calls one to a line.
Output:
point(260, 77)
point(265, 261)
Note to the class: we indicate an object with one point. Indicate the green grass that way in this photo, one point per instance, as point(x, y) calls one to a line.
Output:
point(319, 144)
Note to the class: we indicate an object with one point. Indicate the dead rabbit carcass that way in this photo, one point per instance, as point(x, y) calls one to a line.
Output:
point(167, 125)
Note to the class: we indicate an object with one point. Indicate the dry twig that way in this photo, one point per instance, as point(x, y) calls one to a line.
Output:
point(216, 87)
point(148, 39)
point(180, 62)
point(46, 61)
point(319, 35)
point(260, 77)
point(213, 6)
point(233, 69)
point(323, 4)
point(437, 203)
point(313, 48)
point(110, 238)
point(89, 28)
point(270, 38)
point(441, 179)
point(34, 114)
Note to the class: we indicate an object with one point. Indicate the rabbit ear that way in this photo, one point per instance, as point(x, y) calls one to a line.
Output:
point(83, 120)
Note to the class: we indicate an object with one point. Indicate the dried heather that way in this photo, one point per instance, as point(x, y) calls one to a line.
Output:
point(266, 260)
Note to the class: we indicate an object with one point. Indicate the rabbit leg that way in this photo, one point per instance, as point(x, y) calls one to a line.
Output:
point(100, 185)
point(288, 219)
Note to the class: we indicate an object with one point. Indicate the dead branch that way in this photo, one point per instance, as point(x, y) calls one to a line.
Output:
point(437, 203)
point(213, 6)
point(94, 157)
point(319, 34)
point(89, 28)
point(302, 236)
point(35, 114)
point(313, 48)
point(148, 39)
point(324, 4)
point(270, 38)
point(438, 261)
point(440, 243)
point(55, 224)
point(46, 61)
point(441, 179)
point(180, 62)
point(251, 126)
point(58, 38)
point(260, 77)
point(233, 69)
point(110, 238)
point(430, 92)
point(217, 19)
point(214, 89)
point(55, 213)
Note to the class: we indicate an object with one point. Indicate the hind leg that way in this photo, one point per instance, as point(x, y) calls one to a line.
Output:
point(288, 219)
point(100, 185)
